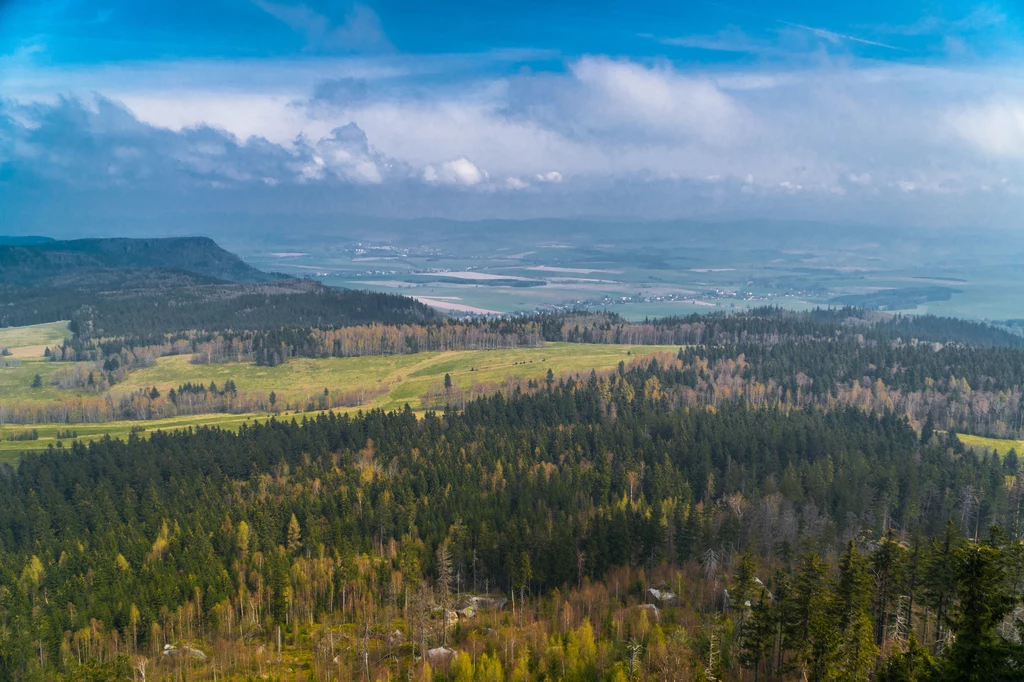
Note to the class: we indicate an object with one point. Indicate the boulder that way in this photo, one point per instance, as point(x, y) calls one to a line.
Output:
point(480, 603)
point(441, 656)
point(662, 595)
point(184, 650)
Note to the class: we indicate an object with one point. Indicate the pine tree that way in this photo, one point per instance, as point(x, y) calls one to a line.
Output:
point(757, 634)
point(889, 565)
point(688, 536)
point(744, 588)
point(281, 589)
point(928, 430)
point(808, 628)
point(939, 580)
point(852, 609)
point(986, 593)
point(914, 664)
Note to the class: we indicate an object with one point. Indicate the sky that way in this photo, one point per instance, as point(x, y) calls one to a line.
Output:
point(903, 112)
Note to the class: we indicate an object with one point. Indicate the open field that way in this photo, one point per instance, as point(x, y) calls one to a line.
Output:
point(405, 377)
point(1001, 446)
point(31, 341)
point(28, 344)
point(11, 450)
point(16, 382)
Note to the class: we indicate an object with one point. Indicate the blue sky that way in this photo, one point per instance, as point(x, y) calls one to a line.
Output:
point(103, 32)
point(888, 112)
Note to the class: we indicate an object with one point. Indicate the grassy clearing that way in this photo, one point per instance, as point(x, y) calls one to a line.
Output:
point(11, 450)
point(16, 382)
point(28, 345)
point(406, 378)
point(30, 342)
point(1000, 445)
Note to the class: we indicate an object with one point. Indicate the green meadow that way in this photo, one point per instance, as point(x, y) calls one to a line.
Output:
point(10, 451)
point(398, 379)
point(1001, 446)
point(405, 377)
point(32, 340)
point(28, 345)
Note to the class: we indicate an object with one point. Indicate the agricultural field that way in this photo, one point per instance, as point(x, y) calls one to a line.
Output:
point(643, 270)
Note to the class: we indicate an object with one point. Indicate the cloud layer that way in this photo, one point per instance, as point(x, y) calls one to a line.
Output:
point(832, 138)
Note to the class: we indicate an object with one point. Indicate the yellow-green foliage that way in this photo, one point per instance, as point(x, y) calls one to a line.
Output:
point(1000, 445)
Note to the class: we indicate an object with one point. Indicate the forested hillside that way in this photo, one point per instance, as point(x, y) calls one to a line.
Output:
point(29, 263)
point(780, 543)
point(144, 289)
point(253, 335)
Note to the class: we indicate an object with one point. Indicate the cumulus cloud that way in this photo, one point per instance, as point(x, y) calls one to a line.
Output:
point(459, 171)
point(347, 153)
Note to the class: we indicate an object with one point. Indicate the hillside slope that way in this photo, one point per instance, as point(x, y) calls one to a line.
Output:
point(151, 287)
point(38, 264)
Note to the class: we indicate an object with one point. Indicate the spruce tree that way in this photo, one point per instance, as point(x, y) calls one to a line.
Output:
point(852, 612)
point(986, 594)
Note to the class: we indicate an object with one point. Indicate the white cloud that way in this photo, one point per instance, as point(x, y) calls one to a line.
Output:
point(995, 128)
point(863, 130)
point(659, 100)
point(347, 153)
point(244, 114)
point(459, 171)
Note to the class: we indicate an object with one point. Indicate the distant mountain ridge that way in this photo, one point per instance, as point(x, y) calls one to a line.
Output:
point(24, 241)
point(35, 261)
